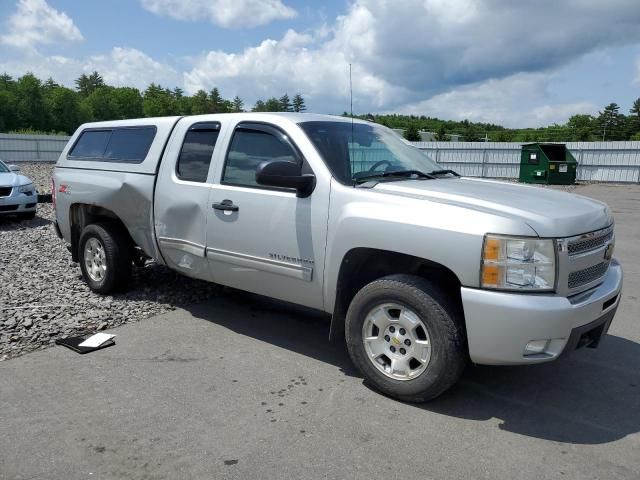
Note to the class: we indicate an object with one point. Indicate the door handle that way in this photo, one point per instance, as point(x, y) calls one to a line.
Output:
point(225, 205)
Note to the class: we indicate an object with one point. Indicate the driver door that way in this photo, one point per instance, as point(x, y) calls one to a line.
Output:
point(263, 239)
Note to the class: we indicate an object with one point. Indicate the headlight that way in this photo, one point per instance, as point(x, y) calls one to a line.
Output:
point(26, 188)
point(524, 264)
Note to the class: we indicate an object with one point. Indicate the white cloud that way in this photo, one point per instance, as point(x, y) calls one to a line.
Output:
point(37, 23)
point(296, 63)
point(120, 67)
point(129, 67)
point(520, 100)
point(225, 13)
point(411, 51)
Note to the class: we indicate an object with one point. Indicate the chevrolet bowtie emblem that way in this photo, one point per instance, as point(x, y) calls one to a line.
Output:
point(608, 253)
point(395, 340)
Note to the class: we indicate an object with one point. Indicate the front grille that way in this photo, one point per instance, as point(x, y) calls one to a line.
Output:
point(5, 191)
point(588, 275)
point(8, 208)
point(590, 241)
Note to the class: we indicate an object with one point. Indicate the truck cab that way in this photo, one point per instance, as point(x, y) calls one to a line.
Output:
point(420, 269)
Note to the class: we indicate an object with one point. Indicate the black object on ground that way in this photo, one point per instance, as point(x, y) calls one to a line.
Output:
point(73, 342)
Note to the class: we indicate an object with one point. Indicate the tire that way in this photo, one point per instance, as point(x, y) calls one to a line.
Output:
point(434, 330)
point(27, 216)
point(109, 270)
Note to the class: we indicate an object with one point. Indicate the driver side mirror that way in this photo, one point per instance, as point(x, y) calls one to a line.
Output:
point(277, 173)
point(14, 168)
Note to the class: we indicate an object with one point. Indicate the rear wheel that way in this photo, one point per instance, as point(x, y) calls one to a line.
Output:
point(105, 257)
point(406, 337)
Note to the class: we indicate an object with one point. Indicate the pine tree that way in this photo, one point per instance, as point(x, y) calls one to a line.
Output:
point(412, 133)
point(237, 104)
point(216, 101)
point(285, 103)
point(273, 105)
point(87, 84)
point(259, 106)
point(611, 122)
point(298, 103)
point(200, 103)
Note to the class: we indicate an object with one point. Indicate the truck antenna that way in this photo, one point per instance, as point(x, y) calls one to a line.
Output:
point(351, 101)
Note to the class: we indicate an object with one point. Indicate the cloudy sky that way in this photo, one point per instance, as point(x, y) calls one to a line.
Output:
point(513, 62)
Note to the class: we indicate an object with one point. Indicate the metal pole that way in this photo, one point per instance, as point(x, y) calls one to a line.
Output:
point(484, 162)
point(581, 156)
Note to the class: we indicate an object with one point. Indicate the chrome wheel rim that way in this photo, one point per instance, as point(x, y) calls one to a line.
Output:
point(396, 341)
point(95, 259)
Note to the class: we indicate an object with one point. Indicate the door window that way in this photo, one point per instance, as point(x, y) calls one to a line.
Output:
point(197, 150)
point(250, 147)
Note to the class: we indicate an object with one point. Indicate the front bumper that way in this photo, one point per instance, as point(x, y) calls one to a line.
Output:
point(18, 203)
point(500, 325)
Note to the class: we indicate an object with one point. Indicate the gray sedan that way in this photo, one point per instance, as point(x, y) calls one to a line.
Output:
point(18, 195)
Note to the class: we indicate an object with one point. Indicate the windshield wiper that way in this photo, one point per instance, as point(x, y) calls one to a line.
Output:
point(396, 173)
point(444, 172)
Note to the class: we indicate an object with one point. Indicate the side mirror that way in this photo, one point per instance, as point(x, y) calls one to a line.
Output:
point(14, 168)
point(285, 174)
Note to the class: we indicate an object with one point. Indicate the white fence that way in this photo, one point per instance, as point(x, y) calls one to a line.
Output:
point(597, 161)
point(31, 148)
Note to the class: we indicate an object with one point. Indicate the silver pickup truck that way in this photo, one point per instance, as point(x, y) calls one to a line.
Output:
point(421, 270)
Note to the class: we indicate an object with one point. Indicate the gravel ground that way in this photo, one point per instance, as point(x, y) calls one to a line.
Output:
point(43, 296)
point(40, 173)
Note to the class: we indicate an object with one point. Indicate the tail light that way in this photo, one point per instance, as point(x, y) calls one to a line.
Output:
point(53, 193)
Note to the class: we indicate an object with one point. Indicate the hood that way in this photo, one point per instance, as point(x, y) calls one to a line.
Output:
point(551, 213)
point(11, 179)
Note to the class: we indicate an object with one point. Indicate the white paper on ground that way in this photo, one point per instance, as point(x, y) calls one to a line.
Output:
point(96, 340)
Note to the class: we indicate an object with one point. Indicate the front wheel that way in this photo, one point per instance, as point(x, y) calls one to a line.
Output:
point(406, 337)
point(105, 257)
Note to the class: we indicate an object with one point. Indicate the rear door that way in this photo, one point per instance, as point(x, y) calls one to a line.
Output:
point(182, 195)
point(261, 239)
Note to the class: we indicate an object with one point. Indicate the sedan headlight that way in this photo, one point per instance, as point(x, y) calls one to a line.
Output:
point(523, 264)
point(28, 188)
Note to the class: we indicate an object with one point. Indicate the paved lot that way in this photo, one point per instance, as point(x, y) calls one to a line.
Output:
point(242, 387)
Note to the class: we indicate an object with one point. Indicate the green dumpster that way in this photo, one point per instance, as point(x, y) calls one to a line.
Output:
point(549, 163)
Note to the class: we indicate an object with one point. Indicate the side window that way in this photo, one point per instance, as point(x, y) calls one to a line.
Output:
point(126, 144)
point(91, 144)
point(250, 147)
point(197, 150)
point(129, 144)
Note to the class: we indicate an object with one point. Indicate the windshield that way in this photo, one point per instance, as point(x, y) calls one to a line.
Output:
point(355, 151)
point(3, 167)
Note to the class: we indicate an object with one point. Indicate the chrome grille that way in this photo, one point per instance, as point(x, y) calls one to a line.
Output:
point(590, 241)
point(587, 275)
point(5, 191)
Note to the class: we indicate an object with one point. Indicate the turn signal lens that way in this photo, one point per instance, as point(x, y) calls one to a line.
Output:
point(491, 249)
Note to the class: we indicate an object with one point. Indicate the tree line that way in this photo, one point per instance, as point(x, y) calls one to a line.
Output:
point(610, 124)
point(30, 104)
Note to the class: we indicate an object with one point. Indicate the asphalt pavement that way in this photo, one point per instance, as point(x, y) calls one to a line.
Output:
point(245, 387)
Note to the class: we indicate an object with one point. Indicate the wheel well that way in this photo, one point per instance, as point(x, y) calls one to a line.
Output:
point(82, 214)
point(361, 266)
